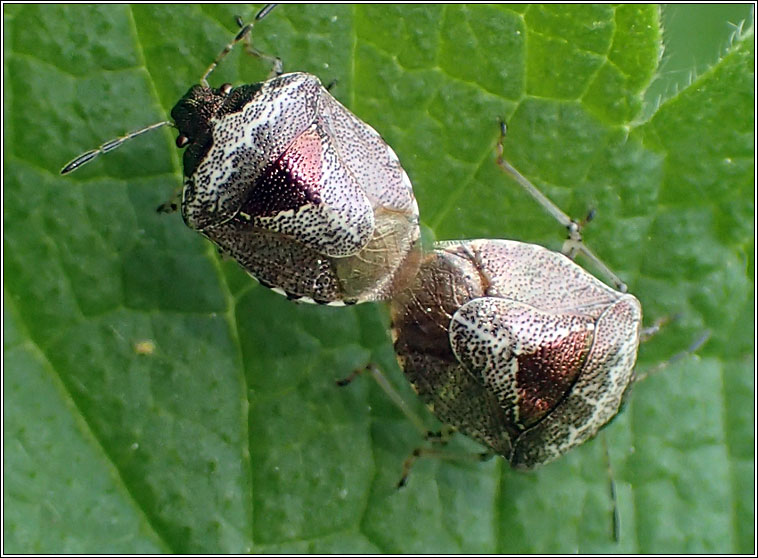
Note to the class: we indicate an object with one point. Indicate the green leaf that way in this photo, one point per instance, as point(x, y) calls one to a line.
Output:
point(158, 400)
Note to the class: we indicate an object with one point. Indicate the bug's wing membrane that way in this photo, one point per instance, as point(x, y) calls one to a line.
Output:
point(387, 263)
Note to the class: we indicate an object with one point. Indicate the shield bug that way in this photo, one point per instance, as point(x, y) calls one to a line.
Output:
point(516, 346)
point(289, 183)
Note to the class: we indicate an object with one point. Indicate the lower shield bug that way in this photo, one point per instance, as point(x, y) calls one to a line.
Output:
point(289, 183)
point(516, 346)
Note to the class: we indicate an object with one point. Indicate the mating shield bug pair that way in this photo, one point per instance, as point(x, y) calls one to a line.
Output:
point(510, 343)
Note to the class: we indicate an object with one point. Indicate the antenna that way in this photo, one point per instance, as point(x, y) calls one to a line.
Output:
point(110, 145)
point(244, 34)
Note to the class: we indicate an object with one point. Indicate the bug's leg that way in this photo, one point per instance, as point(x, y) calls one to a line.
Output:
point(692, 349)
point(347, 380)
point(243, 35)
point(574, 243)
point(275, 61)
point(645, 335)
point(172, 204)
point(615, 521)
point(391, 392)
point(651, 331)
point(439, 438)
point(437, 453)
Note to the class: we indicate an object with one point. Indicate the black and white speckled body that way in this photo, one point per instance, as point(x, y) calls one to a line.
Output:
point(305, 196)
point(516, 346)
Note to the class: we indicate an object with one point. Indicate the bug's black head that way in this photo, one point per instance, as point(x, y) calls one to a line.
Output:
point(192, 115)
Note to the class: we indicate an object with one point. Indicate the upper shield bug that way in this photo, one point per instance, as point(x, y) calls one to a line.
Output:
point(284, 179)
point(516, 346)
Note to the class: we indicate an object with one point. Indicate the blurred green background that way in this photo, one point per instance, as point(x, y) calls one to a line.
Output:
point(695, 35)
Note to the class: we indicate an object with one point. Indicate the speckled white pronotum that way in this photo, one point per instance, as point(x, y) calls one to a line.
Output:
point(516, 346)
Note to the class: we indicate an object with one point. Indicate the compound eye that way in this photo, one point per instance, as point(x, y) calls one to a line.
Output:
point(225, 88)
point(182, 141)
